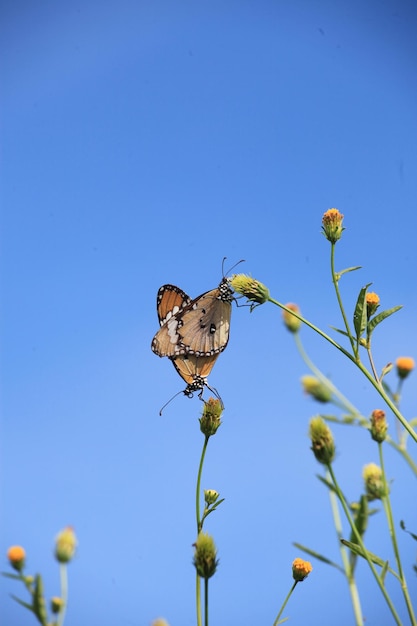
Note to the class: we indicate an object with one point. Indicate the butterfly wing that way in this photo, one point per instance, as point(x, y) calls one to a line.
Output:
point(200, 327)
point(169, 301)
point(194, 370)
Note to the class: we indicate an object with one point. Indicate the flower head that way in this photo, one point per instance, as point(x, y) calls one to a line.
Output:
point(57, 604)
point(322, 441)
point(405, 365)
point(372, 303)
point(210, 420)
point(315, 388)
point(250, 287)
point(205, 555)
point(379, 425)
point(291, 322)
point(301, 569)
point(374, 482)
point(16, 556)
point(332, 225)
point(65, 545)
point(210, 496)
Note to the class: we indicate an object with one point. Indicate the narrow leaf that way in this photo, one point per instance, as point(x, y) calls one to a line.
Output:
point(372, 557)
point(317, 556)
point(339, 330)
point(328, 484)
point(349, 269)
point(359, 316)
point(384, 572)
point(381, 316)
point(19, 601)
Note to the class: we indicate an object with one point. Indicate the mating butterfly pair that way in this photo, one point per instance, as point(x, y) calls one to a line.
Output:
point(193, 332)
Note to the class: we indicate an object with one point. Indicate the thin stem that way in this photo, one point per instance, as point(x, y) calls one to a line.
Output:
point(206, 604)
point(199, 527)
point(353, 590)
point(371, 361)
point(339, 299)
point(391, 527)
point(362, 545)
point(63, 574)
point(285, 603)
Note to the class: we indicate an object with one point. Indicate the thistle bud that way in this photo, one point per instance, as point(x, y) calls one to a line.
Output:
point(205, 555)
point(210, 496)
point(250, 287)
point(210, 420)
point(379, 425)
point(57, 604)
point(332, 225)
point(405, 365)
point(372, 303)
point(301, 569)
point(374, 482)
point(65, 545)
point(16, 556)
point(291, 322)
point(322, 441)
point(315, 388)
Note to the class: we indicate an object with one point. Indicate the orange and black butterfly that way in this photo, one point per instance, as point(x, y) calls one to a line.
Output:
point(199, 326)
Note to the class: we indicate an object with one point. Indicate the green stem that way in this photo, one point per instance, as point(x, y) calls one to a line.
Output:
point(206, 606)
point(199, 527)
point(285, 603)
point(339, 299)
point(377, 384)
point(362, 546)
point(63, 574)
point(353, 590)
point(390, 520)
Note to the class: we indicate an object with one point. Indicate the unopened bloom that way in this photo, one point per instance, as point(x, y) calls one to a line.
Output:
point(210, 420)
point(160, 621)
point(332, 225)
point(65, 545)
point(322, 441)
point(16, 556)
point(405, 364)
point(379, 425)
point(315, 388)
point(374, 482)
point(301, 569)
point(250, 287)
point(205, 555)
point(210, 496)
point(290, 321)
point(372, 303)
point(57, 604)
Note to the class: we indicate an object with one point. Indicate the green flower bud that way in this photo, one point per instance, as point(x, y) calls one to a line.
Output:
point(322, 441)
point(374, 482)
point(205, 555)
point(210, 496)
point(332, 225)
point(210, 420)
point(65, 545)
point(316, 389)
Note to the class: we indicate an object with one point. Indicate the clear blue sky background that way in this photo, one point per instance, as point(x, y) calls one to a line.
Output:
point(142, 142)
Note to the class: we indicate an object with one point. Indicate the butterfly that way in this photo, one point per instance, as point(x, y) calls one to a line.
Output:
point(197, 327)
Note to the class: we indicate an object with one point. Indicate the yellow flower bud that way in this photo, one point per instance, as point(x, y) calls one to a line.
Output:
point(379, 425)
point(160, 621)
point(16, 556)
point(210, 496)
point(405, 365)
point(332, 225)
point(372, 303)
point(250, 287)
point(374, 482)
point(210, 420)
point(301, 569)
point(315, 388)
point(65, 545)
point(57, 604)
point(322, 441)
point(205, 555)
point(291, 322)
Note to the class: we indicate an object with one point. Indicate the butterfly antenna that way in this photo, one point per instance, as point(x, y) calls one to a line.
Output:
point(171, 399)
point(233, 266)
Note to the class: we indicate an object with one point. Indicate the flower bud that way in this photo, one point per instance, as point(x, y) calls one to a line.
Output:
point(250, 287)
point(322, 441)
point(315, 388)
point(210, 420)
point(210, 496)
point(291, 322)
point(372, 303)
point(65, 545)
point(160, 621)
point(405, 364)
point(374, 482)
point(16, 556)
point(57, 604)
point(379, 425)
point(301, 569)
point(205, 555)
point(332, 225)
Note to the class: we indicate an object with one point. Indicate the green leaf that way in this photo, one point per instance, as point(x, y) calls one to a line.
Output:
point(384, 572)
point(360, 317)
point(317, 556)
point(19, 601)
point(326, 482)
point(402, 525)
point(380, 318)
point(339, 330)
point(39, 605)
point(372, 557)
point(349, 269)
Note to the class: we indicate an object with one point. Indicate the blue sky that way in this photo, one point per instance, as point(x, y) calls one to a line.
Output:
point(142, 142)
